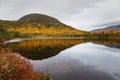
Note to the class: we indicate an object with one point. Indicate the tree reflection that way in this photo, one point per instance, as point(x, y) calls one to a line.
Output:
point(42, 49)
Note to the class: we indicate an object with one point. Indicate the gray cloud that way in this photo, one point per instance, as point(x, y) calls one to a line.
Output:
point(81, 14)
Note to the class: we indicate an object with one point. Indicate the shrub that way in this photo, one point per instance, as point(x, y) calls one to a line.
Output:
point(14, 67)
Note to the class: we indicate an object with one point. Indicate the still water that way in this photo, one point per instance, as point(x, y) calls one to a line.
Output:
point(72, 59)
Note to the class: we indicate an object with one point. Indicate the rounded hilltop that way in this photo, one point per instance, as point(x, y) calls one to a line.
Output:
point(41, 19)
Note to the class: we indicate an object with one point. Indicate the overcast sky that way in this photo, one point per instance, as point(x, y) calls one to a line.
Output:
point(81, 14)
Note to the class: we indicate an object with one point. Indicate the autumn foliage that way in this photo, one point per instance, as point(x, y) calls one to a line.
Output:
point(14, 67)
point(28, 30)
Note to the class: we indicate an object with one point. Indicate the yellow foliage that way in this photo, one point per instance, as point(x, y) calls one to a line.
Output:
point(51, 31)
point(51, 43)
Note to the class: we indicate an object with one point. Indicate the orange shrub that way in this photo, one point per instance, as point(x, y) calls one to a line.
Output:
point(14, 67)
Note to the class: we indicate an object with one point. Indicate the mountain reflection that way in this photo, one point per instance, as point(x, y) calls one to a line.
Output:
point(46, 48)
point(107, 42)
point(41, 49)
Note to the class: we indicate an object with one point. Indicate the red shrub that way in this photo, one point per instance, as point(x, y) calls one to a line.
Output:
point(14, 67)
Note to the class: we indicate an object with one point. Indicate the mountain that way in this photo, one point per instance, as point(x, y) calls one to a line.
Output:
point(33, 25)
point(110, 28)
point(34, 19)
point(111, 32)
point(41, 19)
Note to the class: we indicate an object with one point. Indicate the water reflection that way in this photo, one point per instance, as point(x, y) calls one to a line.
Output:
point(85, 61)
point(71, 69)
point(67, 59)
point(107, 42)
point(41, 49)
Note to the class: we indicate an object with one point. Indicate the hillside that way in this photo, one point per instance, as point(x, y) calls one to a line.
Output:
point(110, 28)
point(40, 19)
point(34, 25)
point(112, 32)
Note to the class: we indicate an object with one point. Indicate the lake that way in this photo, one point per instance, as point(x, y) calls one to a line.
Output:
point(71, 59)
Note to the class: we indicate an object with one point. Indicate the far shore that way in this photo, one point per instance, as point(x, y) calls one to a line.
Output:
point(43, 38)
point(48, 38)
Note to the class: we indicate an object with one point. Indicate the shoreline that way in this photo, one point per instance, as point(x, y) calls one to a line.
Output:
point(45, 38)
